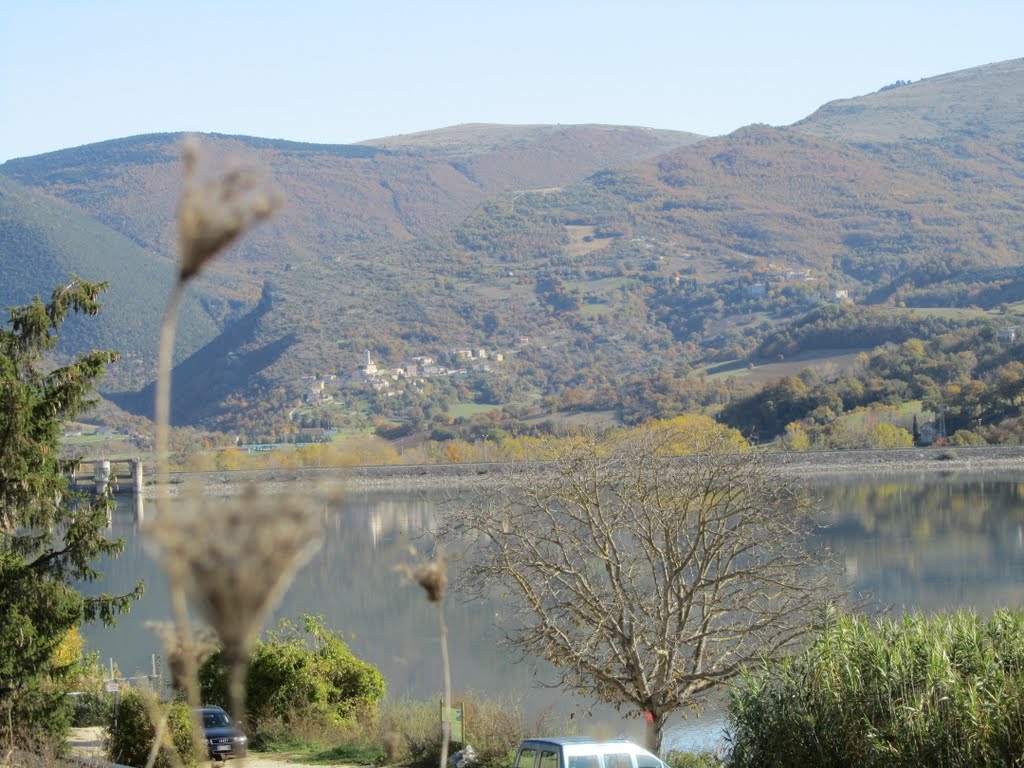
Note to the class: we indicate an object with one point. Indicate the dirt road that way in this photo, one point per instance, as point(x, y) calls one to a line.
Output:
point(88, 742)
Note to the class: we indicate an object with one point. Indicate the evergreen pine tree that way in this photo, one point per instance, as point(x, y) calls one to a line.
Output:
point(50, 537)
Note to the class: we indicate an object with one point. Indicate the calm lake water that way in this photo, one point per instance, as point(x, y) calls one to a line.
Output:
point(927, 542)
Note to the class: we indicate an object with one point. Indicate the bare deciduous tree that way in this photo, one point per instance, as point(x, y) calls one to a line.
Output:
point(645, 579)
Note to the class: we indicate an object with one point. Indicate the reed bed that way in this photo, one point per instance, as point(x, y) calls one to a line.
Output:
point(946, 690)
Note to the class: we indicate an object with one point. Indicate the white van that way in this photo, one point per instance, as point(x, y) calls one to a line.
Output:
point(572, 752)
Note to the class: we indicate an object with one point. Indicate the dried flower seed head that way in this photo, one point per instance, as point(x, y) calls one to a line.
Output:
point(392, 741)
point(183, 653)
point(237, 556)
point(217, 206)
point(432, 575)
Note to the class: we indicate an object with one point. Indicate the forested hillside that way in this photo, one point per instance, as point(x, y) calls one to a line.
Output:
point(606, 266)
point(43, 242)
point(343, 200)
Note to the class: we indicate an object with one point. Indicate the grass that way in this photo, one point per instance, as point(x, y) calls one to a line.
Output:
point(357, 753)
point(495, 292)
point(595, 419)
point(600, 285)
point(345, 433)
point(764, 372)
point(92, 439)
point(579, 245)
point(948, 313)
point(468, 410)
point(591, 310)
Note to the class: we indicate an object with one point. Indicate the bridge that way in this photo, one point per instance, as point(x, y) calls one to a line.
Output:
point(108, 475)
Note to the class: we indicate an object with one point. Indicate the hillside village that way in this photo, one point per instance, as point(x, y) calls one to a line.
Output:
point(321, 390)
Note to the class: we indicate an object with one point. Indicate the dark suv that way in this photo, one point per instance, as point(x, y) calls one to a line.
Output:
point(223, 736)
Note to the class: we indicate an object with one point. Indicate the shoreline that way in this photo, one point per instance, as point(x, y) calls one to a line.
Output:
point(852, 463)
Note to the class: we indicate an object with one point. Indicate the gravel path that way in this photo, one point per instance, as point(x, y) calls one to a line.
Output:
point(87, 742)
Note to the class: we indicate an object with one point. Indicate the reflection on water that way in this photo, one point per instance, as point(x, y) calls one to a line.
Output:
point(931, 542)
point(927, 543)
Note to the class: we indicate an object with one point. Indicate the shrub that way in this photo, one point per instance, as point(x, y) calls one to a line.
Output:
point(91, 702)
point(677, 759)
point(411, 730)
point(297, 674)
point(91, 709)
point(948, 690)
point(966, 437)
point(132, 733)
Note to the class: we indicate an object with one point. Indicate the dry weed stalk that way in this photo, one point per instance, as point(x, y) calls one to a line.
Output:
point(432, 575)
point(235, 557)
point(183, 653)
point(217, 205)
point(161, 737)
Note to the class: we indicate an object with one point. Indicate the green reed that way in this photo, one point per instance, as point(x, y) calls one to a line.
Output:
point(946, 690)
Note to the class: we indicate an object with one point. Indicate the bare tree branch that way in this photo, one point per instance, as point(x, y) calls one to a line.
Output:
point(643, 577)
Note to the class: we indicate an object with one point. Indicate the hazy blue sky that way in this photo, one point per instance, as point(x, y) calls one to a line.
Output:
point(78, 71)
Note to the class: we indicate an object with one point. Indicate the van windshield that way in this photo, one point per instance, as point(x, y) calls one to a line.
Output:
point(618, 760)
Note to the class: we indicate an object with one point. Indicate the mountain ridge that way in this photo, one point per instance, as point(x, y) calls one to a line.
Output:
point(615, 250)
point(944, 108)
point(368, 190)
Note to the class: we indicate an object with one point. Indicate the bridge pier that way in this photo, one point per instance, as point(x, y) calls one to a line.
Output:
point(101, 476)
point(111, 476)
point(137, 477)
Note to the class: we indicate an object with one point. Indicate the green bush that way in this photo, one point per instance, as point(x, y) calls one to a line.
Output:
point(132, 734)
point(91, 709)
point(305, 673)
point(90, 702)
point(942, 691)
point(676, 759)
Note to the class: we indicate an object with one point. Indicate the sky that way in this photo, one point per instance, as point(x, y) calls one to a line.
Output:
point(74, 72)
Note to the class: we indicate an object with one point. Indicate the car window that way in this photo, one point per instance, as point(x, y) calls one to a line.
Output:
point(527, 757)
point(215, 719)
point(548, 759)
point(648, 761)
point(584, 761)
point(618, 760)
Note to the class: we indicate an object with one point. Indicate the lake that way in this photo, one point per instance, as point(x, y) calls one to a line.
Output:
point(927, 542)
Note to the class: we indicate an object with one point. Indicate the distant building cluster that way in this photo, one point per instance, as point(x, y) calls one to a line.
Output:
point(423, 367)
point(410, 375)
point(783, 272)
point(780, 273)
point(316, 391)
